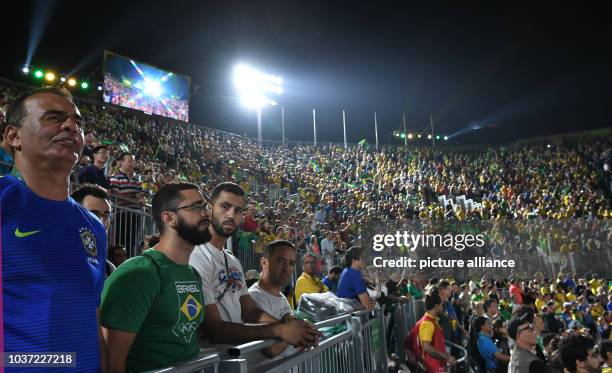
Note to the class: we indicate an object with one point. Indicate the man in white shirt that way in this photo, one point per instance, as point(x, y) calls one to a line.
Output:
point(228, 303)
point(278, 264)
point(328, 249)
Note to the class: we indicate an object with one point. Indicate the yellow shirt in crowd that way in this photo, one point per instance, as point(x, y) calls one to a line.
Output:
point(307, 284)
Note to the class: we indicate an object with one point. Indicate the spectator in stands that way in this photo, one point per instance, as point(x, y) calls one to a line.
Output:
point(309, 281)
point(500, 337)
point(152, 304)
point(328, 249)
point(126, 184)
point(580, 355)
point(47, 307)
point(6, 153)
point(277, 263)
point(491, 309)
point(331, 280)
point(117, 254)
point(426, 339)
point(94, 173)
point(522, 359)
point(227, 301)
point(97, 200)
point(90, 137)
point(491, 353)
point(250, 223)
point(351, 283)
point(516, 293)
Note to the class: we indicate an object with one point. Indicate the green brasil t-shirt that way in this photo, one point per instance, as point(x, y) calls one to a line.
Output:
point(163, 307)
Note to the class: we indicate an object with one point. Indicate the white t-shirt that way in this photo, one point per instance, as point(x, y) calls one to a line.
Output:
point(210, 264)
point(277, 307)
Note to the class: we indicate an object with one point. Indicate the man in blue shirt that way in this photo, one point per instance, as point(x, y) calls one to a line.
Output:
point(53, 251)
point(331, 280)
point(351, 283)
point(487, 348)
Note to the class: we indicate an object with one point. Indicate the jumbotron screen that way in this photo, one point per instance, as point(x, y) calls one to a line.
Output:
point(143, 87)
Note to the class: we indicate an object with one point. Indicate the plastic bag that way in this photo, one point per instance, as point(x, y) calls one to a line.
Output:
point(325, 306)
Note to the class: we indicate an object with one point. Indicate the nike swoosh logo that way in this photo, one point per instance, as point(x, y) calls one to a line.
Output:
point(19, 234)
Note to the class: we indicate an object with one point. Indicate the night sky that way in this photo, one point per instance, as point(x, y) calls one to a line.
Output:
point(516, 72)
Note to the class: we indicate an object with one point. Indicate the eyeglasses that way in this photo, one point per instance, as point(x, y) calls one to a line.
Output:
point(529, 327)
point(196, 206)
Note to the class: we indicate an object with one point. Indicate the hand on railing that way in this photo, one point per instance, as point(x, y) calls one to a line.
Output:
point(299, 333)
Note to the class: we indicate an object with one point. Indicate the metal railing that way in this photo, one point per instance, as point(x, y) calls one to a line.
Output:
point(208, 363)
point(358, 347)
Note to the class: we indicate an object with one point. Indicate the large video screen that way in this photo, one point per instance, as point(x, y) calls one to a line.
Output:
point(143, 87)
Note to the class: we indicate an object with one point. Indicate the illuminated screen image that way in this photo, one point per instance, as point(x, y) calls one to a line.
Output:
point(143, 87)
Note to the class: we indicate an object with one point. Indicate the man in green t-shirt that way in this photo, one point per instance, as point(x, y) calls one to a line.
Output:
point(153, 304)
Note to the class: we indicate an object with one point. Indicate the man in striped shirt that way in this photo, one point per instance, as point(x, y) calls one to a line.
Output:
point(126, 185)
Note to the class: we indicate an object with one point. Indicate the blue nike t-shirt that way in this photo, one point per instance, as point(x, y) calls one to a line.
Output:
point(351, 284)
point(53, 262)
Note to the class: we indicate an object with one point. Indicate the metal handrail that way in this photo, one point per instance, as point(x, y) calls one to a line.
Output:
point(464, 353)
point(249, 347)
point(200, 362)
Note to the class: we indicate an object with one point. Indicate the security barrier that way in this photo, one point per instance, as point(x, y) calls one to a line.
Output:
point(357, 345)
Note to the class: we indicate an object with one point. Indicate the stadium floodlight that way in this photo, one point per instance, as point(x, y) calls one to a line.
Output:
point(84, 85)
point(49, 76)
point(38, 74)
point(437, 137)
point(99, 87)
point(62, 79)
point(254, 87)
point(445, 138)
point(419, 136)
point(409, 136)
point(25, 69)
point(72, 82)
point(428, 137)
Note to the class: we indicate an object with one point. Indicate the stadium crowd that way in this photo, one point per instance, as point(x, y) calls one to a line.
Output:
point(334, 199)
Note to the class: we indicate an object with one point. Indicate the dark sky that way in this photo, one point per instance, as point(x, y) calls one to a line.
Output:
point(516, 71)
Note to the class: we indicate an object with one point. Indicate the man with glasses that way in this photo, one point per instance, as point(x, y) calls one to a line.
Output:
point(97, 200)
point(153, 303)
point(522, 358)
point(228, 303)
point(94, 173)
point(53, 250)
point(580, 355)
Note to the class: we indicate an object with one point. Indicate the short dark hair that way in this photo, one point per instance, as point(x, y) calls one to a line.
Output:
point(443, 284)
point(89, 190)
point(229, 187)
point(98, 148)
point(168, 197)
point(273, 245)
point(353, 253)
point(575, 347)
point(16, 113)
point(112, 248)
point(488, 303)
point(123, 155)
point(335, 269)
point(431, 300)
point(546, 338)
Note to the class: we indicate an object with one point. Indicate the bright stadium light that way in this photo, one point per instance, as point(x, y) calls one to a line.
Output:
point(445, 138)
point(84, 85)
point(409, 136)
point(62, 79)
point(38, 74)
point(25, 69)
point(50, 76)
point(419, 136)
point(254, 87)
point(428, 137)
point(437, 137)
point(402, 135)
point(72, 82)
point(99, 88)
point(152, 88)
